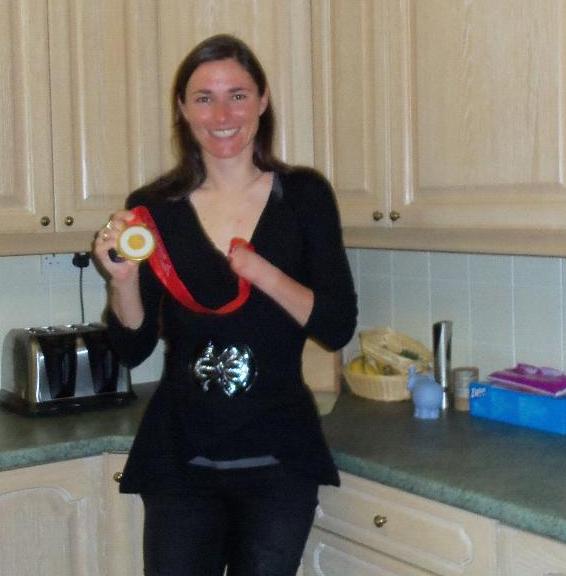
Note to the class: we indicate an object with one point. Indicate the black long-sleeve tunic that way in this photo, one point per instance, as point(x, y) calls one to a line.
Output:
point(298, 232)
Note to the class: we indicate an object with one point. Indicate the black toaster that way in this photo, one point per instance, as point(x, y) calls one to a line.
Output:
point(56, 368)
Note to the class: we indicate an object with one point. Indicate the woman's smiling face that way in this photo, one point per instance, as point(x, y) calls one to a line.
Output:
point(222, 106)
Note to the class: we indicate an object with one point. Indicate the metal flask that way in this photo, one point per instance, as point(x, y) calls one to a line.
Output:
point(442, 352)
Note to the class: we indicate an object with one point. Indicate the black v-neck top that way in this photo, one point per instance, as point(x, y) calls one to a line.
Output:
point(299, 232)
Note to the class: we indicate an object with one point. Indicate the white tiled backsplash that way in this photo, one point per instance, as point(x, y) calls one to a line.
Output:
point(505, 309)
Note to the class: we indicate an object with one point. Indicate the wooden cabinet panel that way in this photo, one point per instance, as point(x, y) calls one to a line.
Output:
point(105, 98)
point(351, 101)
point(328, 555)
point(441, 123)
point(26, 179)
point(418, 532)
point(278, 32)
point(524, 554)
point(124, 522)
point(51, 520)
point(483, 132)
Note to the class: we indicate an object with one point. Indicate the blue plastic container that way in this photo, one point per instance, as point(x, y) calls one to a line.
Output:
point(519, 408)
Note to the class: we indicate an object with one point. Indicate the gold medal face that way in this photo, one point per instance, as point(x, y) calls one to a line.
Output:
point(136, 243)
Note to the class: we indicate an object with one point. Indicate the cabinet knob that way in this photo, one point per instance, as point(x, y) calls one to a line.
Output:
point(45, 221)
point(377, 215)
point(394, 215)
point(69, 220)
point(379, 521)
point(117, 477)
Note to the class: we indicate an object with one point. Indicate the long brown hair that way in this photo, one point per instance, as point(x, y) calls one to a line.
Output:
point(190, 171)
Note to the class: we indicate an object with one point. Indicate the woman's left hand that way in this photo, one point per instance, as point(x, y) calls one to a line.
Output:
point(295, 298)
point(245, 262)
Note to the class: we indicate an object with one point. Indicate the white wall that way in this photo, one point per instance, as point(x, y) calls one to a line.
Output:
point(505, 309)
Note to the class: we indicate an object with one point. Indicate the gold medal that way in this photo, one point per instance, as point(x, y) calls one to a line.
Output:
point(136, 243)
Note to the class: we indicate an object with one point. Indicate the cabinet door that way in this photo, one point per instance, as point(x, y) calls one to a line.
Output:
point(26, 180)
point(51, 520)
point(419, 532)
point(351, 105)
point(279, 34)
point(124, 522)
point(524, 554)
point(443, 115)
point(479, 140)
point(105, 87)
point(329, 555)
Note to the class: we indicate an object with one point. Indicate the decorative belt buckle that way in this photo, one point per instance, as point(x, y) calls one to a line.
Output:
point(232, 369)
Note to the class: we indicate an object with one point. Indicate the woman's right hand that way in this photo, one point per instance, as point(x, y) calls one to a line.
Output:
point(123, 275)
point(104, 249)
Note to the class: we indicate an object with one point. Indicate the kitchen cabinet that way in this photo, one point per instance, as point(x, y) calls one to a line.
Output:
point(366, 528)
point(87, 110)
point(123, 521)
point(26, 171)
point(68, 519)
point(52, 520)
point(524, 554)
point(440, 123)
point(81, 107)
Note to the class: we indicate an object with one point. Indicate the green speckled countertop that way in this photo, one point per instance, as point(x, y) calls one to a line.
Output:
point(515, 475)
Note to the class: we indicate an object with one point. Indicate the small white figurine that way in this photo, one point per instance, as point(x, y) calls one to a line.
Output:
point(426, 393)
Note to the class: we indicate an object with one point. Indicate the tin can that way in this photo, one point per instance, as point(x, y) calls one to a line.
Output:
point(461, 378)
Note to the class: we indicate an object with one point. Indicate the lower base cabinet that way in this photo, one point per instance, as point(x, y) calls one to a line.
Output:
point(52, 520)
point(123, 522)
point(368, 529)
point(69, 519)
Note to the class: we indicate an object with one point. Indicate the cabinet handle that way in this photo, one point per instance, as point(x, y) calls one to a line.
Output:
point(117, 477)
point(45, 221)
point(377, 215)
point(394, 215)
point(69, 220)
point(379, 521)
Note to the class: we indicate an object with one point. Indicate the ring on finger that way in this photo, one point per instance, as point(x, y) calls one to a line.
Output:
point(109, 225)
point(105, 235)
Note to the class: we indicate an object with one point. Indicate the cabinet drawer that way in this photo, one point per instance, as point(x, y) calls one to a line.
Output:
point(418, 531)
point(330, 555)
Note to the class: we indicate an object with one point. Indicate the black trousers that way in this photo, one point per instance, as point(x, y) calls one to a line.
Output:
point(255, 522)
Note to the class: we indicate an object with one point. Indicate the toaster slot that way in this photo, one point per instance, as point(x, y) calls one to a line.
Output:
point(104, 365)
point(59, 352)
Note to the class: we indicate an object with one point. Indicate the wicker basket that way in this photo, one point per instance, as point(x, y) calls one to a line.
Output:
point(387, 388)
point(395, 349)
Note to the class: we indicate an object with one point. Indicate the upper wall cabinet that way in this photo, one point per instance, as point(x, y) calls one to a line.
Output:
point(86, 102)
point(105, 105)
point(280, 35)
point(441, 123)
point(26, 174)
point(81, 117)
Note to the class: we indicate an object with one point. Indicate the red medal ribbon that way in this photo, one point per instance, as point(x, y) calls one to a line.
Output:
point(162, 266)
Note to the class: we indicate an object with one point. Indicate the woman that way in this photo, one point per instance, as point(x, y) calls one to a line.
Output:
point(230, 452)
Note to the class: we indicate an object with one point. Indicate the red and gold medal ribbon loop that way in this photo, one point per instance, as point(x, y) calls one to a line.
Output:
point(162, 266)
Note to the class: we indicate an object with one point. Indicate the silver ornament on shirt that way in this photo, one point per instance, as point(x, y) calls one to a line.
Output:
point(232, 369)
